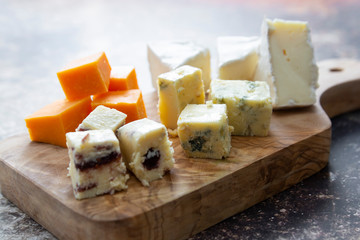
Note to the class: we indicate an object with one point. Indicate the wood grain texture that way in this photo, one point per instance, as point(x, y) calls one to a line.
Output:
point(198, 193)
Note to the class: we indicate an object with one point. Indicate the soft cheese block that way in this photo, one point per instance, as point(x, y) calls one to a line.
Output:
point(165, 56)
point(146, 149)
point(95, 163)
point(249, 105)
point(287, 63)
point(176, 89)
point(204, 131)
point(237, 57)
point(103, 118)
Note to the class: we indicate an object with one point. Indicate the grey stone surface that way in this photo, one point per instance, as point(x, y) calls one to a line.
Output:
point(38, 37)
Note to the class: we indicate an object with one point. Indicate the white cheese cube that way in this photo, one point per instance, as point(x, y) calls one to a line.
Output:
point(248, 104)
point(95, 163)
point(103, 118)
point(165, 56)
point(287, 63)
point(146, 149)
point(238, 57)
point(176, 89)
point(204, 131)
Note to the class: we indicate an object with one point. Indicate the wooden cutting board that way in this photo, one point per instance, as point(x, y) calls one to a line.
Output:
point(198, 193)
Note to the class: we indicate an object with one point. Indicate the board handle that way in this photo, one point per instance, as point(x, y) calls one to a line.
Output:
point(339, 90)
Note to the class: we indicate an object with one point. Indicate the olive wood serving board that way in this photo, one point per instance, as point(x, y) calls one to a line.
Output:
point(197, 193)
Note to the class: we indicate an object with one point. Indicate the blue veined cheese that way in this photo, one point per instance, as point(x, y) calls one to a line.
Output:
point(176, 89)
point(146, 149)
point(204, 131)
point(248, 104)
point(95, 163)
point(238, 57)
point(165, 56)
point(287, 63)
point(103, 118)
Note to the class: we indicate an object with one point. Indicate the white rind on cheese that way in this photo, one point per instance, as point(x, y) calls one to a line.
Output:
point(237, 57)
point(287, 63)
point(165, 56)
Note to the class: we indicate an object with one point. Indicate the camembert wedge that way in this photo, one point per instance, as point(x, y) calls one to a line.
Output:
point(287, 63)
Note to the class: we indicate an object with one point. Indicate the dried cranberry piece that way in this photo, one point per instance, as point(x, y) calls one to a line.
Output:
point(152, 158)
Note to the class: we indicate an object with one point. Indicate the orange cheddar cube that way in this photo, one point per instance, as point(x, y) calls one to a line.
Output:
point(52, 122)
point(123, 78)
point(129, 102)
point(85, 77)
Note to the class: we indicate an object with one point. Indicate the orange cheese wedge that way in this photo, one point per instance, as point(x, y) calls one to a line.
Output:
point(129, 102)
point(85, 77)
point(123, 78)
point(52, 122)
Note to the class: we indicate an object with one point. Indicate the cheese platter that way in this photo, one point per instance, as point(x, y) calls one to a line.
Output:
point(197, 193)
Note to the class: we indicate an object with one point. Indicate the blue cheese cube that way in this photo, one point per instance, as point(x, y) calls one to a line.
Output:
point(146, 149)
point(178, 88)
point(248, 103)
point(204, 131)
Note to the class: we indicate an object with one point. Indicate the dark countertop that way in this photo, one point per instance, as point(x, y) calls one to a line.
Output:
point(38, 37)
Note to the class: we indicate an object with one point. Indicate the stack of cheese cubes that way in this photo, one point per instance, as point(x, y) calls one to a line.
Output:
point(103, 123)
point(87, 83)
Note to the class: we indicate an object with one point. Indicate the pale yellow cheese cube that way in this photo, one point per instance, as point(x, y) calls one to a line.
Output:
point(146, 149)
point(176, 89)
point(249, 105)
point(204, 131)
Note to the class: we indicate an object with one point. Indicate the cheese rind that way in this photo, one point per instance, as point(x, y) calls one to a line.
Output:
point(176, 89)
point(238, 57)
point(95, 163)
point(146, 149)
point(287, 63)
point(103, 118)
point(165, 56)
point(204, 131)
point(249, 106)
